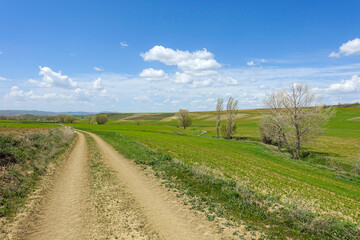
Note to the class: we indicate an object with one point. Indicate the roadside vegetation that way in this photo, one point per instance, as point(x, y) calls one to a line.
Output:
point(26, 150)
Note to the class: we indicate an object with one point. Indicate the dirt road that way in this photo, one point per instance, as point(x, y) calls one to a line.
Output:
point(68, 212)
point(61, 214)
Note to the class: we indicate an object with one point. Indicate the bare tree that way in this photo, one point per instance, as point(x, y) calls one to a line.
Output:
point(295, 118)
point(228, 130)
point(273, 126)
point(219, 108)
point(184, 118)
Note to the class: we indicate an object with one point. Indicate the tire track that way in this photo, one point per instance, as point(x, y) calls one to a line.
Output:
point(169, 217)
point(61, 213)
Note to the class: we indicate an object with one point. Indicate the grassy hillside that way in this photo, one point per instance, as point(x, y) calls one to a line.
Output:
point(323, 183)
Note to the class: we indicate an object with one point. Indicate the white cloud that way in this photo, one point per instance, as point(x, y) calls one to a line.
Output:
point(53, 79)
point(229, 80)
point(250, 63)
point(334, 55)
point(351, 47)
point(97, 83)
point(3, 79)
point(98, 69)
point(201, 83)
point(143, 99)
point(124, 44)
point(182, 78)
point(153, 75)
point(175, 102)
point(197, 69)
point(199, 60)
point(15, 92)
point(262, 60)
point(346, 86)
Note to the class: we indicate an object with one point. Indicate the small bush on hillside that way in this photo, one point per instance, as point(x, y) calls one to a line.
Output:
point(70, 119)
point(101, 118)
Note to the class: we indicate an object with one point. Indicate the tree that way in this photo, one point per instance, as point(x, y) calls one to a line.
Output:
point(219, 108)
point(70, 119)
point(295, 118)
point(93, 119)
point(228, 130)
point(61, 118)
point(101, 118)
point(184, 118)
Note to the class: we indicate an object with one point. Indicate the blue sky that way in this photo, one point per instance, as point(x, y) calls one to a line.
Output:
point(159, 56)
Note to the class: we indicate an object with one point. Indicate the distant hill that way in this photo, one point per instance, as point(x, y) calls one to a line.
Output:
point(11, 113)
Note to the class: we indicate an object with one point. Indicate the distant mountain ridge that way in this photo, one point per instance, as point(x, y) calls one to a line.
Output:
point(10, 113)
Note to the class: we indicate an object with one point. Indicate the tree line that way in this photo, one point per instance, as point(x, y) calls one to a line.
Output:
point(293, 118)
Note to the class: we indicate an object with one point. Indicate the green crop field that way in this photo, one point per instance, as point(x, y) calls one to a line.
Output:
point(26, 124)
point(323, 182)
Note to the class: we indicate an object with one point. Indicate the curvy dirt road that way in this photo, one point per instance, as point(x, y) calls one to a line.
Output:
point(66, 212)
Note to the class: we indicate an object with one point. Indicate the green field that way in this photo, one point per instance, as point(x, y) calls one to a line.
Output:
point(317, 197)
point(324, 182)
point(26, 124)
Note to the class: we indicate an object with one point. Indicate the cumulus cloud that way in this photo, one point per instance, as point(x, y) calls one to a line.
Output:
point(197, 69)
point(346, 86)
point(229, 81)
point(153, 75)
point(53, 79)
point(201, 83)
point(352, 47)
point(182, 78)
point(334, 55)
point(143, 99)
point(199, 60)
point(91, 90)
point(15, 92)
point(98, 83)
point(56, 87)
point(250, 63)
point(98, 69)
point(124, 44)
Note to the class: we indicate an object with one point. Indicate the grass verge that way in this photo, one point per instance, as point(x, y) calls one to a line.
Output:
point(24, 157)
